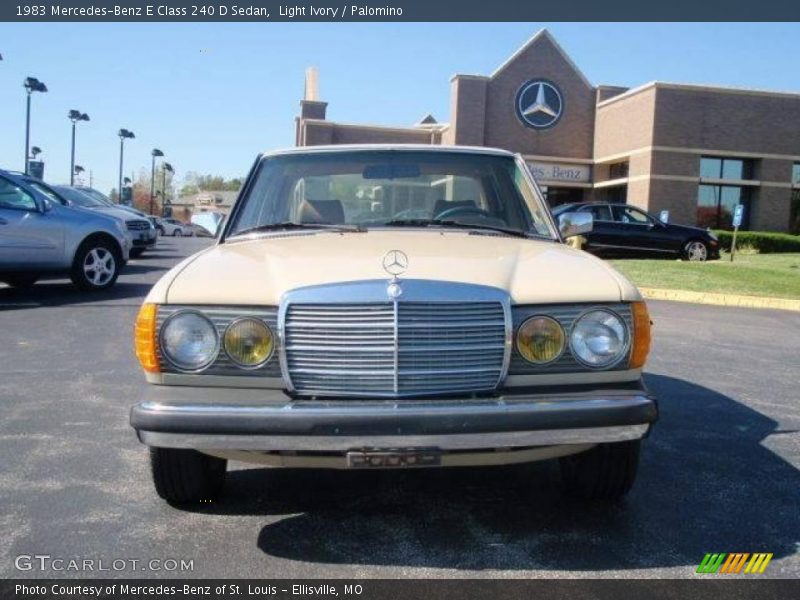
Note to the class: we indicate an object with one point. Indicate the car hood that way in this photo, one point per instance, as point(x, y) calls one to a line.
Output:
point(687, 230)
point(260, 271)
point(117, 212)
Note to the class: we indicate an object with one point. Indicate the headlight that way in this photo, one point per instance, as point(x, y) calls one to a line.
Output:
point(189, 340)
point(249, 342)
point(599, 338)
point(540, 340)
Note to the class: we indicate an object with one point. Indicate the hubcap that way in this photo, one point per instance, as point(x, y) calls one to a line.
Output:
point(696, 251)
point(99, 266)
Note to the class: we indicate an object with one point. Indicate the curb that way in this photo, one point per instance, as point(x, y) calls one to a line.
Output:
point(721, 299)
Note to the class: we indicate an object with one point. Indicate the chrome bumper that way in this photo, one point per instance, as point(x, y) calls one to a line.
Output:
point(266, 420)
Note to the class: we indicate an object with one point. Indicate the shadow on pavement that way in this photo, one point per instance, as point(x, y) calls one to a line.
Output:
point(62, 293)
point(706, 484)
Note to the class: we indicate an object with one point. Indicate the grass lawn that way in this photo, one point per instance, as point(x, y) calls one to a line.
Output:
point(776, 275)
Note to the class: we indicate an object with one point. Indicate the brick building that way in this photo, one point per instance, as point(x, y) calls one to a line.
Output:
point(696, 151)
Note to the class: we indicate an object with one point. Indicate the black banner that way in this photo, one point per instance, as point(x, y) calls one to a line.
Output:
point(716, 587)
point(395, 10)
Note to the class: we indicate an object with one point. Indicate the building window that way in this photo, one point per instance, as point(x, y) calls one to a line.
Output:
point(617, 194)
point(618, 170)
point(794, 218)
point(559, 195)
point(716, 204)
point(725, 168)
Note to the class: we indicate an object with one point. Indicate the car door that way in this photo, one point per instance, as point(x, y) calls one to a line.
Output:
point(602, 232)
point(30, 236)
point(639, 233)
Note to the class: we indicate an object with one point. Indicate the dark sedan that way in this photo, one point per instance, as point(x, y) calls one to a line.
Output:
point(624, 230)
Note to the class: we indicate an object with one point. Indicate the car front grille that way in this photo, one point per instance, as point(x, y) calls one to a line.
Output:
point(137, 225)
point(395, 349)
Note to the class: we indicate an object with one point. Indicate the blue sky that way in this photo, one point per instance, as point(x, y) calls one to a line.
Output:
point(212, 96)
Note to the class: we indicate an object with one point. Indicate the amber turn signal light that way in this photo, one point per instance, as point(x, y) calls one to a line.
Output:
point(145, 338)
point(641, 335)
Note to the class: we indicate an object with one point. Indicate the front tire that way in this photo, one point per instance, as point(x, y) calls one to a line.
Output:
point(177, 233)
point(186, 476)
point(695, 251)
point(606, 472)
point(96, 266)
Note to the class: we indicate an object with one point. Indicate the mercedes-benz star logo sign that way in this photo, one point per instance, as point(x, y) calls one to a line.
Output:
point(539, 104)
point(395, 262)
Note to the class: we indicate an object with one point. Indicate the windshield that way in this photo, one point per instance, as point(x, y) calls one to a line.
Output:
point(93, 193)
point(79, 198)
point(374, 189)
point(46, 191)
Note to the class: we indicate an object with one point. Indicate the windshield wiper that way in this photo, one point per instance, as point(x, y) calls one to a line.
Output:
point(457, 225)
point(289, 225)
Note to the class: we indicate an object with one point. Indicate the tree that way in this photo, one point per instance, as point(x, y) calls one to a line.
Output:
point(195, 183)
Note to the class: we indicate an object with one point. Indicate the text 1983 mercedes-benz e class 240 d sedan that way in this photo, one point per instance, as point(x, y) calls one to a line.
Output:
point(393, 307)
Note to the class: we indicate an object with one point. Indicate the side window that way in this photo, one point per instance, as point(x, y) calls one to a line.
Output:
point(626, 214)
point(14, 197)
point(601, 212)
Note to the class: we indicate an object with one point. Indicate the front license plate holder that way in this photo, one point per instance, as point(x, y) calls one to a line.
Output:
point(394, 458)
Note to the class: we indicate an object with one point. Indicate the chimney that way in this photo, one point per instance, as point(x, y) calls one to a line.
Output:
point(310, 106)
point(312, 84)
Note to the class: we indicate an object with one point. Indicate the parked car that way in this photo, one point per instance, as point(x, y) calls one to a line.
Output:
point(200, 231)
point(143, 234)
point(337, 334)
point(175, 228)
point(626, 231)
point(210, 221)
point(98, 195)
point(157, 224)
point(40, 236)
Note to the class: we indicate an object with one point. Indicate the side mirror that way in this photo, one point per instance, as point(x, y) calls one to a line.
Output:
point(571, 224)
point(45, 207)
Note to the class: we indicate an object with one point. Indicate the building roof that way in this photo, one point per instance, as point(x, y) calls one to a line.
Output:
point(538, 37)
point(693, 87)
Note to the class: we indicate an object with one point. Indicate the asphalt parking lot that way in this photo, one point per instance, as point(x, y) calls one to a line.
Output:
point(720, 473)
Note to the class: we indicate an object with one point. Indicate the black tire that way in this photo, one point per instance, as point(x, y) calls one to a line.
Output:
point(21, 281)
point(186, 476)
point(104, 246)
point(177, 233)
point(693, 252)
point(136, 252)
point(606, 472)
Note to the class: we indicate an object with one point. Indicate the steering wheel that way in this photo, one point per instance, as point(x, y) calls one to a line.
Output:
point(462, 211)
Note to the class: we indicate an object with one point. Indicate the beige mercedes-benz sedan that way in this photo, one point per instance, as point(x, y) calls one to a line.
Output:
point(393, 307)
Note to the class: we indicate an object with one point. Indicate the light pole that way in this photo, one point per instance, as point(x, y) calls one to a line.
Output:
point(74, 116)
point(156, 152)
point(123, 135)
point(31, 84)
point(165, 167)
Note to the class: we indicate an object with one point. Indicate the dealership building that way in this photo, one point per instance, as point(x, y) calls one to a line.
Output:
point(696, 151)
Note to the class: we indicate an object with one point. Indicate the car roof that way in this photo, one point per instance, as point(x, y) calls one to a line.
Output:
point(336, 148)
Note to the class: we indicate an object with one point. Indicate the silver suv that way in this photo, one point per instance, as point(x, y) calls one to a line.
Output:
point(40, 237)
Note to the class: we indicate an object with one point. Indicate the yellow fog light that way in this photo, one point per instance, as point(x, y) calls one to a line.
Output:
point(541, 340)
point(248, 342)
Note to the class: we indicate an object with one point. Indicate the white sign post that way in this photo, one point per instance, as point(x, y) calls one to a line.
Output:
point(737, 221)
